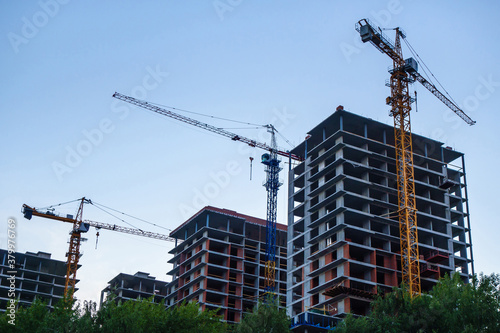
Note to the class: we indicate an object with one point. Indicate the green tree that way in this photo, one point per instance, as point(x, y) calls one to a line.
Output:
point(266, 317)
point(188, 318)
point(353, 324)
point(452, 306)
point(146, 316)
point(86, 316)
point(38, 319)
point(131, 316)
point(473, 307)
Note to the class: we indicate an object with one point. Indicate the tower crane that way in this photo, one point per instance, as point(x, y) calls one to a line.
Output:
point(404, 72)
point(272, 184)
point(81, 226)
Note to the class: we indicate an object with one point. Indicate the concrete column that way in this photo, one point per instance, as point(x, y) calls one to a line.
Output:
point(289, 246)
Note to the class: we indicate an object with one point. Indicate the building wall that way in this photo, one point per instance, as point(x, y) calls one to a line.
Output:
point(341, 232)
point(37, 276)
point(220, 262)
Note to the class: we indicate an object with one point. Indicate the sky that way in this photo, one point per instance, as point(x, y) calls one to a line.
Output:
point(286, 63)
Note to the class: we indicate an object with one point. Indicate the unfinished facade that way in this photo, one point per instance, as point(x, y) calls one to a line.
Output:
point(219, 262)
point(342, 241)
point(124, 287)
point(37, 276)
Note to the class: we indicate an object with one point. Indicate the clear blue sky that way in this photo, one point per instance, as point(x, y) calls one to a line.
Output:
point(289, 63)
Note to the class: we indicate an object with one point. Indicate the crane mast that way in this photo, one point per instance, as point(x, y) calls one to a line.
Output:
point(74, 252)
point(400, 102)
point(403, 73)
point(81, 226)
point(271, 184)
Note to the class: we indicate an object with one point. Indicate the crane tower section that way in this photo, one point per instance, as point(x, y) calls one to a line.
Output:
point(272, 184)
point(400, 102)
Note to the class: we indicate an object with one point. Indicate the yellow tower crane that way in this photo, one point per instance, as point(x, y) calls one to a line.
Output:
point(81, 226)
point(404, 72)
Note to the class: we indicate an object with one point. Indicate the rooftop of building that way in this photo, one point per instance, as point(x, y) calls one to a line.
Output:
point(223, 211)
point(40, 254)
point(130, 277)
point(355, 124)
point(55, 266)
point(37, 263)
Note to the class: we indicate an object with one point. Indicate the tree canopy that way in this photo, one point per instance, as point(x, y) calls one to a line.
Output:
point(131, 316)
point(266, 317)
point(451, 306)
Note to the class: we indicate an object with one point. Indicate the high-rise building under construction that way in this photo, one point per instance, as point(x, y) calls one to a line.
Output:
point(343, 230)
point(219, 261)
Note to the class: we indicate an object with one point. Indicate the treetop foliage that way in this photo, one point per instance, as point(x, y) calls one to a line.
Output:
point(132, 316)
point(451, 306)
point(266, 317)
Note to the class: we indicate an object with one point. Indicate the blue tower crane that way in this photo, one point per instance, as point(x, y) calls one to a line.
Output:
point(271, 184)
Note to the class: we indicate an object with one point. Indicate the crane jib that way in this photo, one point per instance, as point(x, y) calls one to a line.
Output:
point(208, 127)
point(370, 33)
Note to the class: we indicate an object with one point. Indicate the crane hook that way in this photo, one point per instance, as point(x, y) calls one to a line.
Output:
point(96, 239)
point(416, 102)
point(251, 160)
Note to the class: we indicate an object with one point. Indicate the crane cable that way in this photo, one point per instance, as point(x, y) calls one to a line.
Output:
point(130, 224)
point(96, 205)
point(286, 140)
point(238, 128)
point(117, 211)
point(60, 204)
point(205, 115)
point(258, 126)
point(412, 50)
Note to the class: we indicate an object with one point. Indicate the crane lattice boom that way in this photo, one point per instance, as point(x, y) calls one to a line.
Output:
point(208, 127)
point(432, 88)
point(101, 225)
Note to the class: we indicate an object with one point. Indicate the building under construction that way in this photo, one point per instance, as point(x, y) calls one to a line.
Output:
point(37, 276)
point(343, 233)
point(141, 285)
point(219, 261)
